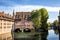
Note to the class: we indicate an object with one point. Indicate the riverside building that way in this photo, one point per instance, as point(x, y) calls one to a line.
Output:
point(23, 20)
point(6, 23)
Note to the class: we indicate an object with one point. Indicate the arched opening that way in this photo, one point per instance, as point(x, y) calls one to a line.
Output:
point(27, 30)
point(17, 30)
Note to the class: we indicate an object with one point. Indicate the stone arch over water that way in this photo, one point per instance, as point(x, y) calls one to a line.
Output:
point(27, 30)
point(17, 30)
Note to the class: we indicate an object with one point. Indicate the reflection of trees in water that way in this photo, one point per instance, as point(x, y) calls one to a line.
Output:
point(41, 36)
point(56, 31)
point(59, 33)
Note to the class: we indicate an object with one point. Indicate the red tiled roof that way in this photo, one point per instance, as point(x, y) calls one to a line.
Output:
point(5, 15)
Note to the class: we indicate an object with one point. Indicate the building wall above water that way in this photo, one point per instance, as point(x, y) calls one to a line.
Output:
point(23, 20)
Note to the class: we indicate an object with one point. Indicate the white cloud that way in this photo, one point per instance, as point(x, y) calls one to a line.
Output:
point(29, 8)
point(52, 19)
point(34, 7)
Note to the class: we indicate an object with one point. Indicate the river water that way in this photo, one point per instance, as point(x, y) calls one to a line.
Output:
point(6, 36)
point(51, 36)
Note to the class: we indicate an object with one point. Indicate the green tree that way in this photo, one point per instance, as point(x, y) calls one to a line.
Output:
point(49, 25)
point(35, 16)
point(44, 17)
point(56, 23)
point(39, 18)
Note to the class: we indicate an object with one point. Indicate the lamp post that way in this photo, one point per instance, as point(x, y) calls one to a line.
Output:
point(59, 24)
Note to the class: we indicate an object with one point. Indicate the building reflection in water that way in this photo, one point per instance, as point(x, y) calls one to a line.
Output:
point(6, 36)
point(38, 36)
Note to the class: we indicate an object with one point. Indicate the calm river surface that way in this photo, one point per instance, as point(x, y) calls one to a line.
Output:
point(51, 36)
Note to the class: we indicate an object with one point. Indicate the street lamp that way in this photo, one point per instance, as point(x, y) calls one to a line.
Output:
point(59, 24)
point(59, 21)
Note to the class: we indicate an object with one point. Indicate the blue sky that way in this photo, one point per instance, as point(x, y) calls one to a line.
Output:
point(52, 6)
point(30, 2)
